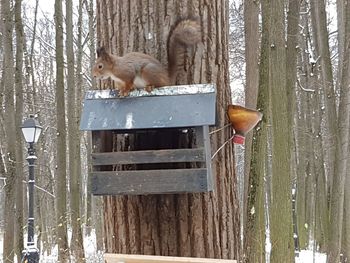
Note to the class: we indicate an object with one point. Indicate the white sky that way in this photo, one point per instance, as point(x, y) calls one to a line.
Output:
point(46, 6)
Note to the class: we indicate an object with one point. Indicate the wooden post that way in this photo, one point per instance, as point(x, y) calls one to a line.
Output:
point(123, 258)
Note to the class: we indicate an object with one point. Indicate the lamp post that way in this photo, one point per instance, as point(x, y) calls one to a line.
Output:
point(31, 131)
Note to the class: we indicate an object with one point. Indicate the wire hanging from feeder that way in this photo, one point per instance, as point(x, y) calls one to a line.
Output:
point(222, 146)
point(217, 130)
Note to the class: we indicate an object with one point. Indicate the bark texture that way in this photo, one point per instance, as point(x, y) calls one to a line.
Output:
point(255, 225)
point(302, 138)
point(9, 126)
point(251, 34)
point(291, 80)
point(341, 153)
point(270, 171)
point(90, 10)
point(77, 247)
point(321, 41)
point(199, 225)
point(19, 145)
point(281, 219)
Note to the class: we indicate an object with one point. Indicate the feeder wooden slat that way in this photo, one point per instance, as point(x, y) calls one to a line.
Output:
point(149, 156)
point(150, 181)
point(203, 140)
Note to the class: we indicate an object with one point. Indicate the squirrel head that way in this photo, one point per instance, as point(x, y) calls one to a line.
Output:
point(103, 65)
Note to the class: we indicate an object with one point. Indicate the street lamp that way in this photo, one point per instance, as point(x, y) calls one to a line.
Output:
point(31, 131)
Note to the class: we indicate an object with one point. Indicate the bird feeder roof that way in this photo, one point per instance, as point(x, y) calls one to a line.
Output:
point(165, 107)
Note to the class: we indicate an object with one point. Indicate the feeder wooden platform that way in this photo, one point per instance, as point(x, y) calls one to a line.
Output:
point(123, 258)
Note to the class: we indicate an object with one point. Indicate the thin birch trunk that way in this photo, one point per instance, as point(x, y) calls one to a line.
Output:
point(90, 10)
point(61, 180)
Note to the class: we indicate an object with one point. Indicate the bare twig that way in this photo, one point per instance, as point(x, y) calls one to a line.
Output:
point(222, 146)
point(304, 89)
point(4, 179)
point(42, 189)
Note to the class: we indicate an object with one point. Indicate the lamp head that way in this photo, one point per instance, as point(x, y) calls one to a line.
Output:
point(31, 129)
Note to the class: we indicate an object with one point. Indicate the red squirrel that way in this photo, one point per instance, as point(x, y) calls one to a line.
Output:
point(139, 70)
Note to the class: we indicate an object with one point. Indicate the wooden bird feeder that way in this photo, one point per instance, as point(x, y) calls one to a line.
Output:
point(180, 108)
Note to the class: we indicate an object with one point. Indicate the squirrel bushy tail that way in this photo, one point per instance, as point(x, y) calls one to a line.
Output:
point(186, 32)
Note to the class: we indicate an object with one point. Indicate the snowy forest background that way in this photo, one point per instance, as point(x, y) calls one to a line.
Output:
point(317, 35)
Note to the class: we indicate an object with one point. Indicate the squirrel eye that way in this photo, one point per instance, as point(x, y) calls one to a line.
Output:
point(100, 66)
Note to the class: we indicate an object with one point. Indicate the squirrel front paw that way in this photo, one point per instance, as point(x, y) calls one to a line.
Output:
point(149, 88)
point(124, 93)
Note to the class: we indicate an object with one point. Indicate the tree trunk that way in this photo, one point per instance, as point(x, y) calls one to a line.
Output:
point(321, 215)
point(342, 151)
point(341, 44)
point(9, 124)
point(346, 221)
point(302, 137)
point(32, 96)
point(291, 80)
point(38, 219)
point(291, 57)
point(255, 225)
point(61, 207)
point(310, 171)
point(320, 36)
point(77, 246)
point(97, 219)
point(280, 207)
point(19, 146)
point(78, 105)
point(2, 137)
point(251, 33)
point(340, 36)
point(199, 225)
point(90, 10)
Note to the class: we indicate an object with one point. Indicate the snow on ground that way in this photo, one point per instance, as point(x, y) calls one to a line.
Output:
point(90, 247)
point(91, 253)
point(305, 256)
point(308, 256)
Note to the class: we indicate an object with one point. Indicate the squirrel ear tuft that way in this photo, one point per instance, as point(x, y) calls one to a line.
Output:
point(101, 52)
